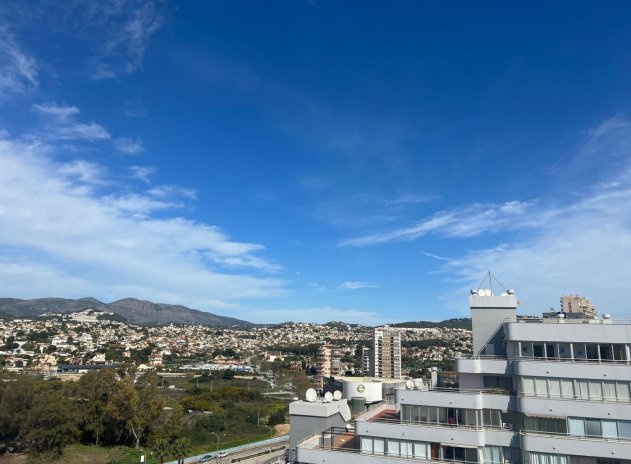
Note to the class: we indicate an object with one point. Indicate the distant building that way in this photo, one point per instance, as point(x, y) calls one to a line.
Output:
point(578, 304)
point(155, 359)
point(365, 360)
point(328, 364)
point(386, 359)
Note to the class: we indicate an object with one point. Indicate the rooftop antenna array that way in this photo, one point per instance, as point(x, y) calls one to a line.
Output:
point(337, 395)
point(328, 397)
point(490, 279)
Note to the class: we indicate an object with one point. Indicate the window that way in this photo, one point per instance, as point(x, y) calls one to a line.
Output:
point(407, 449)
point(492, 454)
point(579, 351)
point(525, 350)
point(619, 352)
point(537, 350)
point(592, 428)
point(421, 450)
point(554, 387)
point(551, 350)
point(564, 350)
point(595, 390)
point(624, 429)
point(609, 390)
point(592, 351)
point(394, 448)
point(545, 458)
point(366, 445)
point(606, 353)
point(577, 427)
point(491, 418)
point(377, 444)
point(609, 428)
point(567, 388)
point(527, 385)
point(541, 388)
point(622, 391)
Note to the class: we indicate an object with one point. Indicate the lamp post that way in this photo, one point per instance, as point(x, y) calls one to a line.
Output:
point(216, 449)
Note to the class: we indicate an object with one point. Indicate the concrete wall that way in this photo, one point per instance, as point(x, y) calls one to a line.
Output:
point(488, 313)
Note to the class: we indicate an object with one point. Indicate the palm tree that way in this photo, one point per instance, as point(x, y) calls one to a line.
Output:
point(182, 448)
point(162, 449)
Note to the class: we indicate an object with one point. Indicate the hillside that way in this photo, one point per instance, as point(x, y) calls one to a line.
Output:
point(134, 311)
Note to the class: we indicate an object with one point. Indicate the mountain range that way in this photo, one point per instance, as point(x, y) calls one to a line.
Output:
point(134, 311)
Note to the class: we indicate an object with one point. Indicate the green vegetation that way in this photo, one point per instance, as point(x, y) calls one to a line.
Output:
point(121, 413)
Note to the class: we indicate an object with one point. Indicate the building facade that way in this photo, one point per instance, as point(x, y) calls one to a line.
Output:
point(386, 359)
point(328, 363)
point(551, 390)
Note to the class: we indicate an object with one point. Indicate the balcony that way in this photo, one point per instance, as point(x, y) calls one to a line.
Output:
point(344, 448)
point(385, 421)
point(491, 398)
point(498, 365)
point(575, 446)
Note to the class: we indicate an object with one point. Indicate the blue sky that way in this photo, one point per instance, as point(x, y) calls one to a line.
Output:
point(308, 160)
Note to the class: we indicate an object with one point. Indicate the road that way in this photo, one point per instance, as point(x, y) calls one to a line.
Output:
point(246, 453)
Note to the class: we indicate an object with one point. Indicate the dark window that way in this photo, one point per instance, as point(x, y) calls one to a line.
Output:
point(592, 428)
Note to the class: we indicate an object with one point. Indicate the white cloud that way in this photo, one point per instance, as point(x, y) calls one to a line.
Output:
point(62, 124)
point(356, 285)
point(57, 238)
point(581, 247)
point(129, 146)
point(18, 71)
point(129, 27)
point(162, 191)
point(141, 172)
point(464, 222)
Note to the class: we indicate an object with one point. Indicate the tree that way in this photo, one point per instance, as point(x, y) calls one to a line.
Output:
point(96, 389)
point(161, 449)
point(182, 448)
point(277, 417)
point(50, 423)
point(228, 374)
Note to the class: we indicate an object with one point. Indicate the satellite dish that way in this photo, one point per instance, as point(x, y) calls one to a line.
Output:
point(418, 384)
point(328, 397)
point(409, 385)
point(311, 395)
point(337, 395)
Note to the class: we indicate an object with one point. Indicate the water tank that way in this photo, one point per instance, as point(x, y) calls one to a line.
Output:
point(358, 405)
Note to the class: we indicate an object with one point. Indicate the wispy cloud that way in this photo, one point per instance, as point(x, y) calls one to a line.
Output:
point(583, 246)
point(130, 25)
point(473, 220)
point(129, 146)
point(169, 191)
point(73, 241)
point(61, 124)
point(18, 70)
point(356, 285)
point(141, 172)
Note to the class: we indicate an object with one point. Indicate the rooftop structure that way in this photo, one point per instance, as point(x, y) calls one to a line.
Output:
point(535, 391)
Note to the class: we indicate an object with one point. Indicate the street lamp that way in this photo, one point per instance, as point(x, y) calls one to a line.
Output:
point(217, 449)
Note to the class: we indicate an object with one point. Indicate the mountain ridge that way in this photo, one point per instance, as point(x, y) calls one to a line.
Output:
point(135, 311)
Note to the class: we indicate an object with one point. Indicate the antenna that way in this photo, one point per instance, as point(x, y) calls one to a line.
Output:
point(337, 395)
point(311, 395)
point(490, 278)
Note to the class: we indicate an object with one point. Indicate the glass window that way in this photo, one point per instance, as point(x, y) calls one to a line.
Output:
point(595, 390)
point(537, 350)
point(525, 349)
point(433, 414)
point(554, 387)
point(527, 385)
point(424, 412)
point(610, 428)
point(442, 415)
point(592, 428)
point(567, 388)
point(624, 429)
point(622, 391)
point(619, 352)
point(582, 389)
point(551, 350)
point(421, 450)
point(605, 353)
point(541, 387)
point(407, 449)
point(492, 454)
point(609, 390)
point(366, 445)
point(579, 351)
point(377, 444)
point(564, 350)
point(394, 448)
point(592, 351)
point(577, 427)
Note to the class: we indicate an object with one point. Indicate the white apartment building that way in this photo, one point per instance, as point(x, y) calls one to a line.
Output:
point(553, 390)
point(386, 359)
